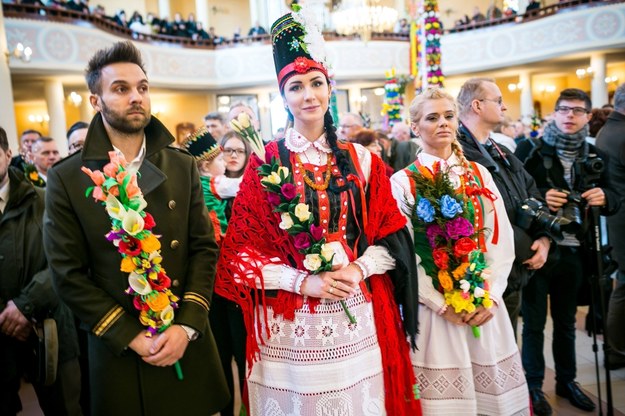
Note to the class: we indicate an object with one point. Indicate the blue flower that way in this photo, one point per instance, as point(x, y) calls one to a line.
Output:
point(425, 210)
point(449, 206)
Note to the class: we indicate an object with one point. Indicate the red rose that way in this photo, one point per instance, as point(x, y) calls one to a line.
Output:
point(316, 232)
point(289, 191)
point(162, 282)
point(132, 247)
point(149, 222)
point(441, 258)
point(302, 241)
point(301, 65)
point(464, 246)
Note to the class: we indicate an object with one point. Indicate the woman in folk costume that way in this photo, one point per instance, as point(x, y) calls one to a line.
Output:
point(467, 361)
point(319, 260)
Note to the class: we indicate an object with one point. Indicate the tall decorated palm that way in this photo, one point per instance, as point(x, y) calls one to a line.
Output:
point(431, 32)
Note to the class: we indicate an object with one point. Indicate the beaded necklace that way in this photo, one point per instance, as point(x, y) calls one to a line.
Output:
point(310, 182)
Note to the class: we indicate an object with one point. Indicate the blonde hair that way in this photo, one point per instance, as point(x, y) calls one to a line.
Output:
point(416, 112)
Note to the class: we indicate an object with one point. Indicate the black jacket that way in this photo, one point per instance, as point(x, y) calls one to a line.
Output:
point(24, 276)
point(515, 186)
point(611, 139)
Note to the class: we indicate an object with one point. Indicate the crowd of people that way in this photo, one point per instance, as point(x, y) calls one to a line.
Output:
point(343, 269)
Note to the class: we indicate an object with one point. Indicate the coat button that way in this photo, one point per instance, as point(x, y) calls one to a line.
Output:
point(175, 283)
point(172, 204)
point(174, 244)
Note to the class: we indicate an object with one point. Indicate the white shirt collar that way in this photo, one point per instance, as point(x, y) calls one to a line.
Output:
point(4, 195)
point(135, 164)
point(296, 142)
point(452, 161)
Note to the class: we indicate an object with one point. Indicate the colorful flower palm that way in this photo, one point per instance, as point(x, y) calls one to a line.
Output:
point(458, 269)
point(131, 232)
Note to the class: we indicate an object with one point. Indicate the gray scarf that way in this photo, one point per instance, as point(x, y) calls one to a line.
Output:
point(568, 146)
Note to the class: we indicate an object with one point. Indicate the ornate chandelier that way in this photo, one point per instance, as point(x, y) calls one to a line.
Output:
point(363, 17)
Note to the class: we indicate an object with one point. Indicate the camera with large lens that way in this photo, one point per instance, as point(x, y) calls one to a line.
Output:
point(586, 174)
point(533, 212)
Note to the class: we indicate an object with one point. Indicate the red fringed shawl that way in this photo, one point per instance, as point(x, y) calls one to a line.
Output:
point(253, 230)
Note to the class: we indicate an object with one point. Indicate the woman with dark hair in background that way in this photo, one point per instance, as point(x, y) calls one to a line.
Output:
point(318, 259)
point(370, 140)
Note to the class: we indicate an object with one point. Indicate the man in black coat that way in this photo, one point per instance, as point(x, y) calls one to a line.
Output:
point(25, 294)
point(130, 372)
point(554, 164)
point(481, 109)
point(611, 139)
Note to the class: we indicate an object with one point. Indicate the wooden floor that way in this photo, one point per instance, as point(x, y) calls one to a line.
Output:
point(586, 376)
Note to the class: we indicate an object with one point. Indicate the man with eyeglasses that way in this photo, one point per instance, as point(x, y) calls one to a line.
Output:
point(481, 109)
point(76, 136)
point(349, 125)
point(553, 163)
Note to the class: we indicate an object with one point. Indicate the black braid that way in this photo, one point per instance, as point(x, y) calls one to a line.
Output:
point(341, 160)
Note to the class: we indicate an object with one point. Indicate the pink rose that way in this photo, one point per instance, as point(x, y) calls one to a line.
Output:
point(316, 232)
point(302, 241)
point(459, 227)
point(274, 199)
point(289, 191)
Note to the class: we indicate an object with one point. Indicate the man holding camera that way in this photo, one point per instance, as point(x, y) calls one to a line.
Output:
point(481, 110)
point(569, 172)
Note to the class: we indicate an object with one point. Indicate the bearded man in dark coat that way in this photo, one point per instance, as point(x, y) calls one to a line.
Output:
point(131, 373)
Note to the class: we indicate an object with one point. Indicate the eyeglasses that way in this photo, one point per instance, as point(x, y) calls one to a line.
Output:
point(498, 101)
point(233, 152)
point(578, 111)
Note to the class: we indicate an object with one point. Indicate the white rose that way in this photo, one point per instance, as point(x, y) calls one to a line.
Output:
point(327, 251)
point(478, 292)
point(244, 120)
point(312, 262)
point(274, 178)
point(465, 285)
point(302, 212)
point(283, 171)
point(287, 221)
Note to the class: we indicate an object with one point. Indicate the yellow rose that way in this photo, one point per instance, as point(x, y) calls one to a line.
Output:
point(158, 302)
point(244, 120)
point(460, 271)
point(287, 221)
point(457, 301)
point(274, 178)
point(312, 262)
point(283, 171)
point(128, 265)
point(445, 280)
point(327, 252)
point(487, 302)
point(150, 243)
point(302, 212)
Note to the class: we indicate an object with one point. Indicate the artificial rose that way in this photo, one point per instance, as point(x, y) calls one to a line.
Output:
point(161, 282)
point(316, 232)
point(460, 271)
point(274, 178)
point(132, 188)
point(425, 210)
point(327, 251)
point(139, 304)
point(449, 206)
point(244, 120)
point(287, 221)
point(274, 199)
point(302, 241)
point(487, 302)
point(441, 258)
point(459, 227)
point(283, 171)
point(98, 194)
point(312, 262)
point(464, 246)
point(110, 169)
point(478, 292)
point(289, 191)
point(302, 212)
point(465, 285)
point(158, 301)
point(130, 246)
point(433, 232)
point(148, 221)
point(445, 280)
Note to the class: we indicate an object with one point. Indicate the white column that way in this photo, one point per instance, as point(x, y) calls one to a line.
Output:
point(7, 115)
point(55, 101)
point(400, 6)
point(201, 12)
point(599, 89)
point(527, 102)
point(164, 9)
point(86, 111)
